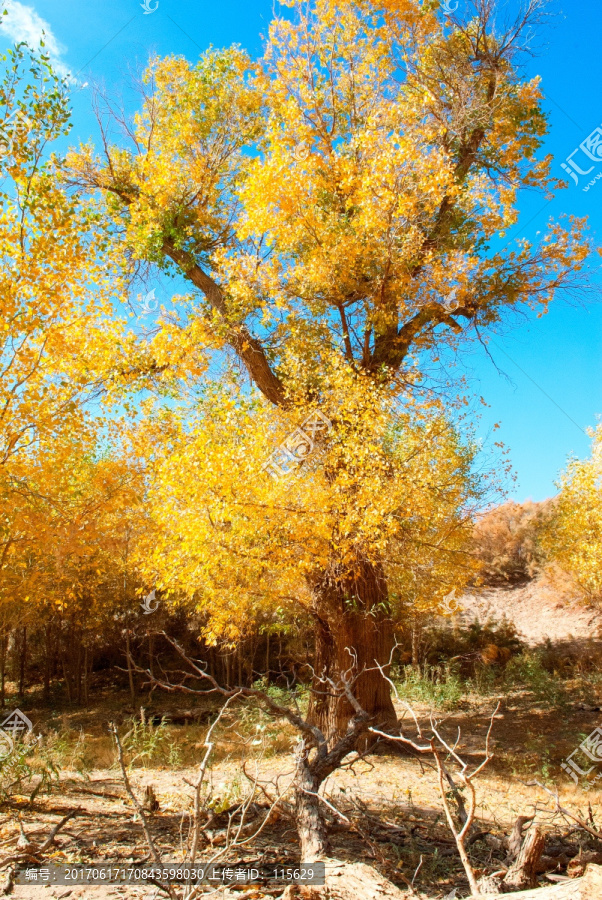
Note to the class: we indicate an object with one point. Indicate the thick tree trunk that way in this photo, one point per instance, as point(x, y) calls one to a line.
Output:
point(523, 873)
point(353, 633)
point(308, 815)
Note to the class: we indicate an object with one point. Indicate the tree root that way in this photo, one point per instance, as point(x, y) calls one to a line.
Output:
point(347, 881)
point(587, 888)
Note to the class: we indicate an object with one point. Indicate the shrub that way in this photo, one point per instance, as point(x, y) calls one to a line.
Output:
point(439, 686)
point(146, 743)
point(491, 645)
point(507, 541)
point(31, 767)
point(527, 671)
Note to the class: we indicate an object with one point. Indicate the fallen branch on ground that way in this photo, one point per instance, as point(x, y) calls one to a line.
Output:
point(587, 888)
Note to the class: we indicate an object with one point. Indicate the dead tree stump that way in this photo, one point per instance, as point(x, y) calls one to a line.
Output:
point(515, 840)
point(522, 874)
point(151, 804)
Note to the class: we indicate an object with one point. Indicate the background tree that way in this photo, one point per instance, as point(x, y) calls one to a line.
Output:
point(507, 541)
point(60, 350)
point(573, 536)
point(58, 333)
point(397, 492)
point(68, 576)
point(336, 208)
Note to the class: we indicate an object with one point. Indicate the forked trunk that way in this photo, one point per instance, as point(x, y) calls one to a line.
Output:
point(354, 633)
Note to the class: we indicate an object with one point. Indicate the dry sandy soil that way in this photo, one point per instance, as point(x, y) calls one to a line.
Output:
point(391, 802)
point(538, 609)
point(392, 805)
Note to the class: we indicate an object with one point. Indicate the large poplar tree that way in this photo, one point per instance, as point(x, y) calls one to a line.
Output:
point(337, 207)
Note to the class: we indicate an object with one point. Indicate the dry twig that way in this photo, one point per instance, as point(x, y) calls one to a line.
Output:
point(434, 745)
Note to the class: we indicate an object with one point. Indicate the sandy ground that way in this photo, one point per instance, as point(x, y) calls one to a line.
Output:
point(399, 790)
point(537, 609)
point(530, 739)
point(395, 789)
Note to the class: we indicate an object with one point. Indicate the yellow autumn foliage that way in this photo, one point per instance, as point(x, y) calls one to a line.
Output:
point(377, 486)
point(573, 538)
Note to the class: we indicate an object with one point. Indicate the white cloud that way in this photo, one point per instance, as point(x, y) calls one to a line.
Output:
point(22, 23)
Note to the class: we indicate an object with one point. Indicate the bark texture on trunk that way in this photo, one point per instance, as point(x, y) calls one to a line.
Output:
point(3, 651)
point(47, 662)
point(318, 758)
point(22, 659)
point(354, 632)
point(308, 815)
point(523, 873)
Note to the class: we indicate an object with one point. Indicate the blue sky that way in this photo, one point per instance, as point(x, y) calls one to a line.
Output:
point(549, 387)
